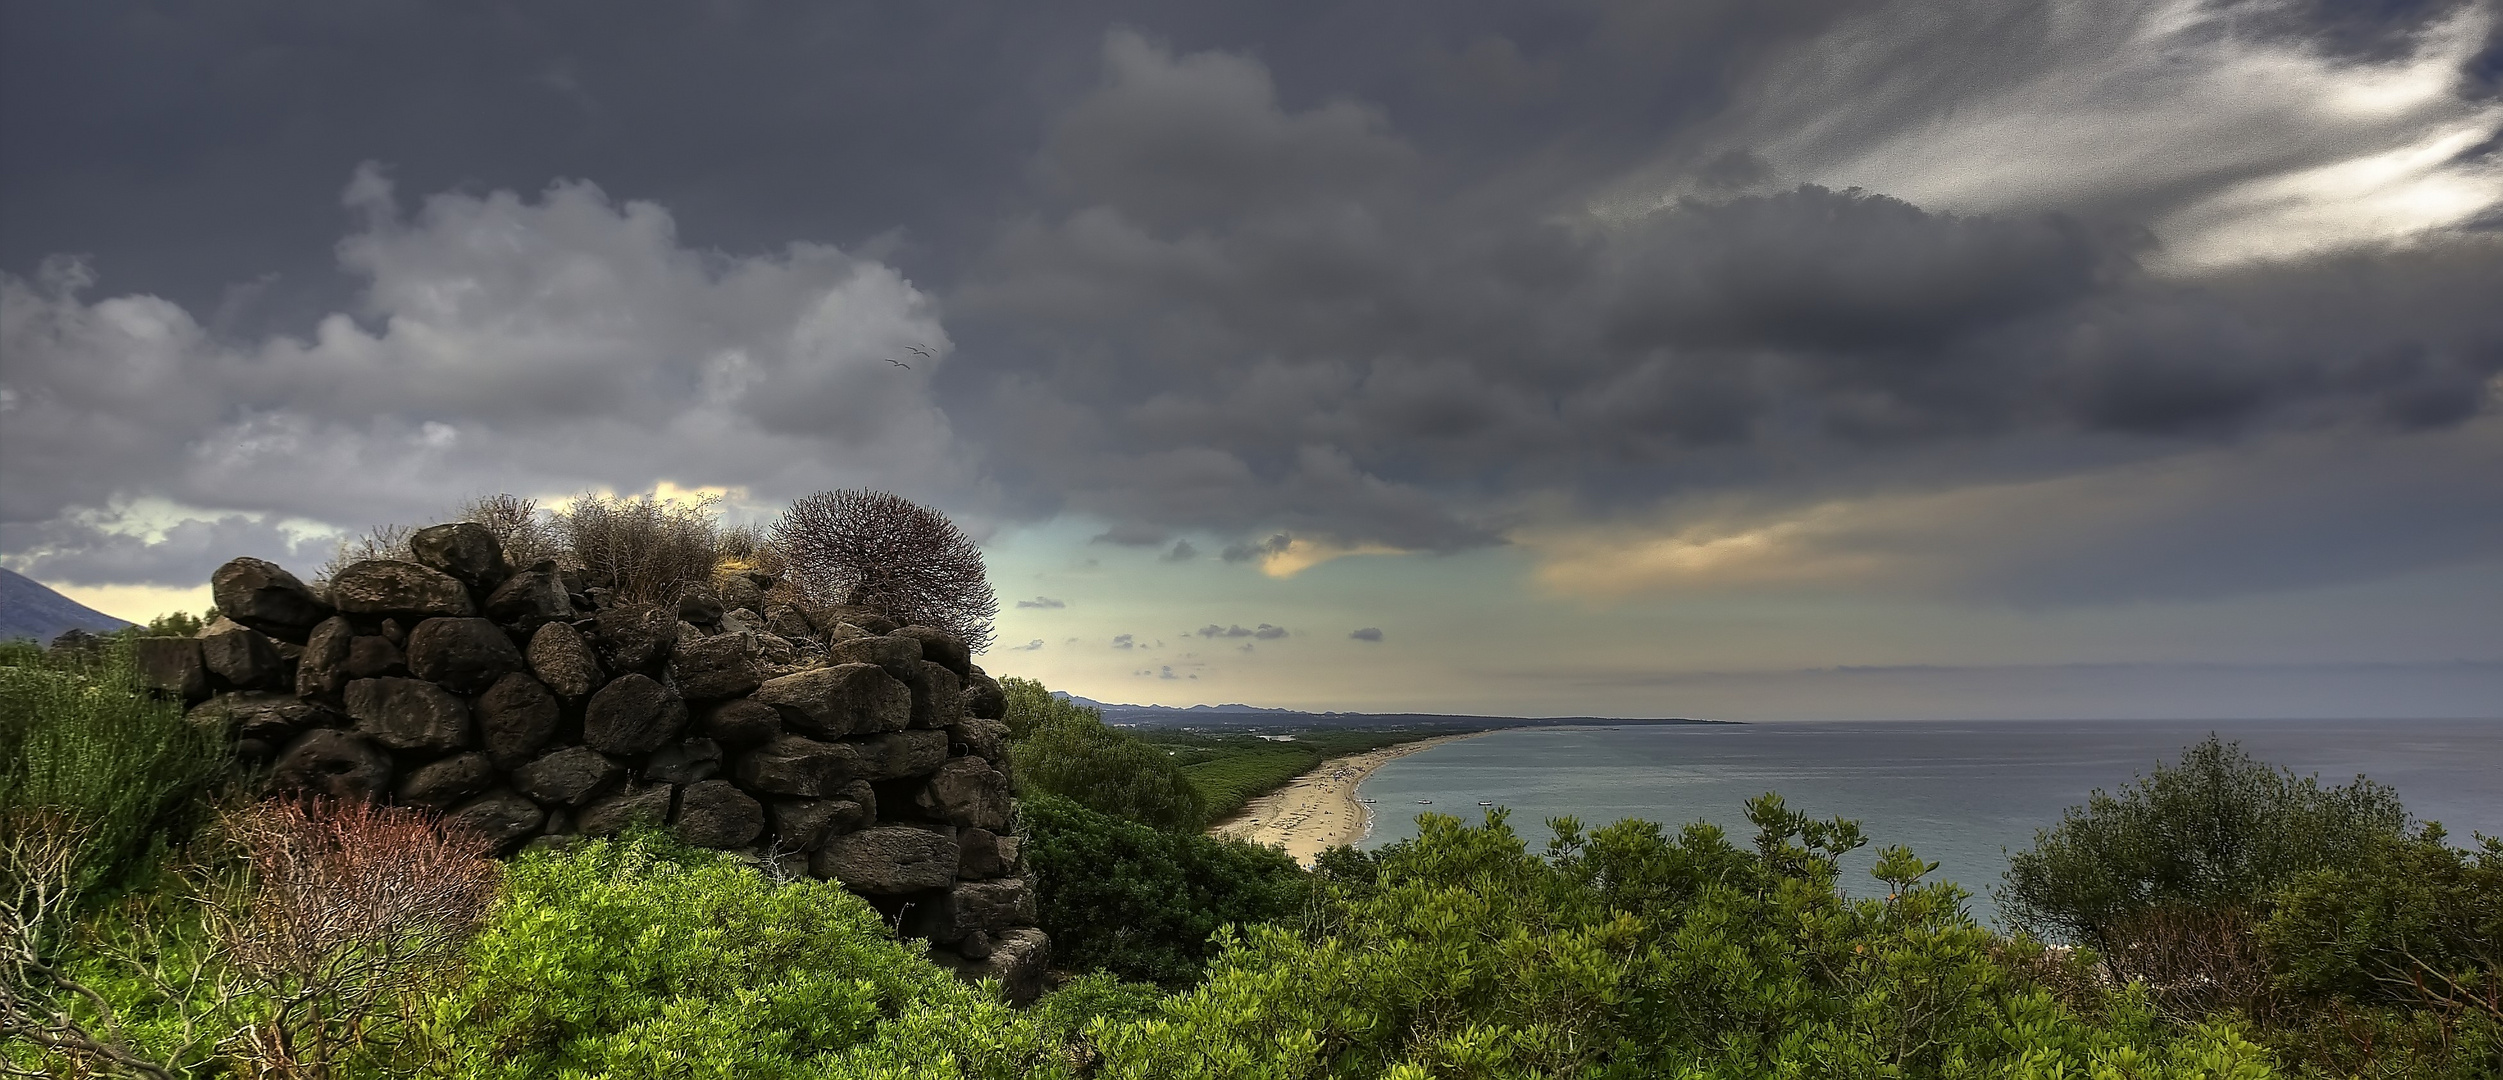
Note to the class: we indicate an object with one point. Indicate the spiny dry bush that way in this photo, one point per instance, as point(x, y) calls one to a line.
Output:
point(871, 548)
point(379, 542)
point(348, 911)
point(520, 529)
point(644, 549)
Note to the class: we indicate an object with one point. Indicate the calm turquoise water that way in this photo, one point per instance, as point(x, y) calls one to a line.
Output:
point(1962, 794)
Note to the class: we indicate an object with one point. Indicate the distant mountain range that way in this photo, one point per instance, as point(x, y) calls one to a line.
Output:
point(29, 610)
point(1253, 717)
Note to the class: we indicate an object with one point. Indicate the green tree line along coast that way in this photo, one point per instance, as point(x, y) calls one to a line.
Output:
point(2216, 918)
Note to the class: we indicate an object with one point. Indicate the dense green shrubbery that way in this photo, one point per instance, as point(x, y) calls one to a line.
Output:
point(641, 958)
point(2216, 834)
point(1629, 954)
point(1067, 750)
point(1145, 903)
point(82, 742)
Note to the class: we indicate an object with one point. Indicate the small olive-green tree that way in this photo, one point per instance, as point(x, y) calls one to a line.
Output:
point(2166, 879)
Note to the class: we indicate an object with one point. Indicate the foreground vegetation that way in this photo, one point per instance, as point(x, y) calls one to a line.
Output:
point(2228, 921)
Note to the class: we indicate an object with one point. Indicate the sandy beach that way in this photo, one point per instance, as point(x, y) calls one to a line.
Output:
point(1318, 810)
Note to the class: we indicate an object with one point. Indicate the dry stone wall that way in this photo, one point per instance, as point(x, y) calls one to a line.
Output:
point(532, 710)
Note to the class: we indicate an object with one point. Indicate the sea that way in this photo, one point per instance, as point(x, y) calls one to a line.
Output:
point(1963, 794)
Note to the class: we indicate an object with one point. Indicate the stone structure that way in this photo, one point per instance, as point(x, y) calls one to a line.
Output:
point(525, 707)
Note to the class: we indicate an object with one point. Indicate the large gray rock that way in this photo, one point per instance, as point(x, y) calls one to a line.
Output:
point(372, 656)
point(700, 605)
point(985, 739)
point(172, 666)
point(322, 671)
point(971, 907)
point(392, 587)
point(568, 776)
point(938, 697)
point(501, 818)
point(517, 717)
point(965, 792)
point(273, 718)
point(686, 761)
point(867, 618)
point(736, 591)
point(846, 699)
point(715, 814)
point(708, 669)
point(940, 647)
point(242, 657)
point(408, 714)
point(900, 753)
point(636, 638)
point(1014, 958)
point(441, 785)
point(563, 661)
point(980, 856)
point(532, 597)
point(632, 715)
point(742, 722)
point(326, 761)
point(463, 549)
point(805, 824)
point(463, 655)
point(261, 595)
point(984, 699)
point(634, 804)
point(900, 656)
point(792, 765)
point(889, 859)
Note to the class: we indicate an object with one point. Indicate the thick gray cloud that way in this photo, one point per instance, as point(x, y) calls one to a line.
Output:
point(1385, 276)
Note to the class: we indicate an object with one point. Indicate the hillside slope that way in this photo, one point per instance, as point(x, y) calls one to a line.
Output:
point(29, 610)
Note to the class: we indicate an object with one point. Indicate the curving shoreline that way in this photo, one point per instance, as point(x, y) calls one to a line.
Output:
point(1318, 810)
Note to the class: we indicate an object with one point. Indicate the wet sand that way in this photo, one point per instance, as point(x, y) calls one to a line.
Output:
point(1318, 810)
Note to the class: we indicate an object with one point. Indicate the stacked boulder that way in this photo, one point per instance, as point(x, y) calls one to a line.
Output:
point(532, 710)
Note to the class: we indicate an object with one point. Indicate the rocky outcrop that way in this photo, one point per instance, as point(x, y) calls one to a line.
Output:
point(867, 752)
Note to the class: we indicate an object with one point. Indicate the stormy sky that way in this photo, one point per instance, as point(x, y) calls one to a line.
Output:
point(1730, 358)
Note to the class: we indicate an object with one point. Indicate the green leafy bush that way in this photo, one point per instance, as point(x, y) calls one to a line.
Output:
point(1628, 954)
point(1145, 903)
point(641, 958)
point(84, 742)
point(1066, 750)
point(2216, 833)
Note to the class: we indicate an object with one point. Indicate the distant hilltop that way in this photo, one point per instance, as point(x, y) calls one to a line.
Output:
point(1238, 717)
point(29, 610)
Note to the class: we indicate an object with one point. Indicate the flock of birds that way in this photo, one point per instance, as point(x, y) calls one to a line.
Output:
point(915, 350)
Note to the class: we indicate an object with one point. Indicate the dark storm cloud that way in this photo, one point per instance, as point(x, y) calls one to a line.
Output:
point(1340, 276)
point(1359, 354)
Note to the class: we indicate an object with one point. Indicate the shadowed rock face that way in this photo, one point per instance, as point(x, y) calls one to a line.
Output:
point(384, 587)
point(463, 549)
point(684, 716)
point(632, 715)
point(465, 656)
point(260, 595)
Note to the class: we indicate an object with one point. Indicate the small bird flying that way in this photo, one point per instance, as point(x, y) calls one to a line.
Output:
point(896, 362)
point(919, 349)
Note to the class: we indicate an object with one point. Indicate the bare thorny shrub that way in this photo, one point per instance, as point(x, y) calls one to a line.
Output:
point(2194, 963)
point(883, 551)
point(319, 944)
point(351, 911)
point(70, 1027)
point(644, 549)
point(519, 528)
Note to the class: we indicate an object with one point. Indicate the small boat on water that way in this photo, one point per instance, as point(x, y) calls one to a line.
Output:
point(1482, 802)
point(1425, 802)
